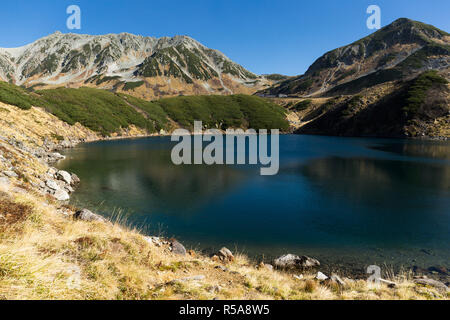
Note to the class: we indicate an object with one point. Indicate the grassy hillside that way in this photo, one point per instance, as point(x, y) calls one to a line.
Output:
point(106, 112)
point(417, 92)
point(225, 112)
point(99, 110)
point(17, 96)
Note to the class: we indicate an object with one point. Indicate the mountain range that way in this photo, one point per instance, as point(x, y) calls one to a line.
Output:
point(148, 67)
point(392, 83)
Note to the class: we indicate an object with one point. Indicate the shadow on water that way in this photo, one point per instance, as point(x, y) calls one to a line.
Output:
point(430, 149)
point(383, 200)
point(146, 181)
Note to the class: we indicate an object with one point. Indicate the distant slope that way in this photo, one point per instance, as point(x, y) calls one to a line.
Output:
point(276, 77)
point(107, 112)
point(396, 52)
point(415, 108)
point(392, 83)
point(143, 66)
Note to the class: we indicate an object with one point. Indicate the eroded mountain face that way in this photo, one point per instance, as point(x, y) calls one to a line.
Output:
point(401, 50)
point(144, 66)
point(393, 83)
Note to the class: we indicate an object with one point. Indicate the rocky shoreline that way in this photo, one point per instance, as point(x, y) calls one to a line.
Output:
point(57, 183)
point(292, 264)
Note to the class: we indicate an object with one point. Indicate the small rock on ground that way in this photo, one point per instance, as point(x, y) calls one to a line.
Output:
point(86, 215)
point(320, 276)
point(178, 248)
point(290, 261)
point(52, 185)
point(155, 241)
point(61, 195)
point(64, 176)
point(221, 268)
point(75, 179)
point(433, 283)
point(225, 255)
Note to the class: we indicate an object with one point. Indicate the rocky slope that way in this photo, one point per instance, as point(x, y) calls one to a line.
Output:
point(398, 51)
point(417, 108)
point(393, 83)
point(144, 66)
point(30, 141)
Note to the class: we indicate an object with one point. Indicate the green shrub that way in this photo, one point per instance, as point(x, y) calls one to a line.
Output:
point(225, 112)
point(107, 112)
point(276, 77)
point(107, 79)
point(132, 85)
point(16, 96)
point(99, 110)
point(154, 111)
point(417, 92)
point(57, 137)
point(305, 85)
point(303, 105)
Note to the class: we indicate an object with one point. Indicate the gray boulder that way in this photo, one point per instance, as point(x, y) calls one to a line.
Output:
point(225, 254)
point(75, 179)
point(178, 248)
point(291, 261)
point(86, 215)
point(321, 277)
point(61, 195)
point(307, 262)
point(64, 176)
point(52, 172)
point(433, 283)
point(57, 156)
point(52, 185)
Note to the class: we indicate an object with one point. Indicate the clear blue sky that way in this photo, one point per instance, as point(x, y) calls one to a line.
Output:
point(265, 36)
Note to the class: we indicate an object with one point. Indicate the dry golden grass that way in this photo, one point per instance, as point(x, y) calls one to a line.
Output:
point(32, 126)
point(165, 87)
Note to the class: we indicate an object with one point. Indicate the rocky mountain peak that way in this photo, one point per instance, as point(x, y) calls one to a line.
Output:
point(402, 48)
point(169, 65)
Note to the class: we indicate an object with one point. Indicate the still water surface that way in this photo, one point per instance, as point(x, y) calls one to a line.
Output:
point(350, 202)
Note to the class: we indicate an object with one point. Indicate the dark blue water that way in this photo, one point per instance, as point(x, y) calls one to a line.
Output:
point(347, 201)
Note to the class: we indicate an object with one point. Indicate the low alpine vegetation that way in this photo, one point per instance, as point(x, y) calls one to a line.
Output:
point(16, 96)
point(417, 92)
point(107, 112)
